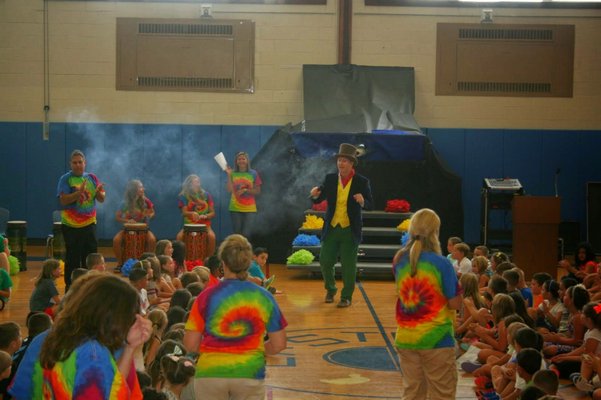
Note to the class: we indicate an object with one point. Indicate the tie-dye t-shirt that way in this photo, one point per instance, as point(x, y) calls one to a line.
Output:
point(90, 372)
point(244, 202)
point(233, 318)
point(138, 213)
point(201, 204)
point(83, 211)
point(423, 319)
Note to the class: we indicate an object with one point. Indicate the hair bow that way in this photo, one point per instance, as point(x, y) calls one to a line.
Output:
point(597, 308)
point(177, 351)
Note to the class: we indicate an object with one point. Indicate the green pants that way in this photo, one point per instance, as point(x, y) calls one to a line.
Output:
point(339, 242)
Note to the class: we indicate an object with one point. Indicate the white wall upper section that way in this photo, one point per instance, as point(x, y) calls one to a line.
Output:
point(82, 64)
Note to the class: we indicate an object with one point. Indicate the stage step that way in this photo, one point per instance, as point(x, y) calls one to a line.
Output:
point(368, 215)
point(386, 251)
point(367, 231)
point(380, 236)
point(362, 267)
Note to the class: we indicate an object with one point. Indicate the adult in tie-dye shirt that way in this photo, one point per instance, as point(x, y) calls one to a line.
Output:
point(244, 184)
point(136, 209)
point(78, 192)
point(88, 352)
point(428, 295)
point(227, 326)
point(197, 207)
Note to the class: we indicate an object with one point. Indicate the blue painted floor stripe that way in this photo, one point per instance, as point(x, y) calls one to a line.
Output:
point(389, 345)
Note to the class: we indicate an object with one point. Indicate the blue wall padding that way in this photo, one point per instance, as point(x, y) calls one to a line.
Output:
point(163, 155)
point(160, 155)
point(532, 156)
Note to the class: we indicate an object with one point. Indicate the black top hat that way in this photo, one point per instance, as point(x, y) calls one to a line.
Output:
point(349, 151)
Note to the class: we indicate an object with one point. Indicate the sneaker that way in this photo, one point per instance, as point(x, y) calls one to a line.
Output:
point(469, 366)
point(583, 385)
point(267, 282)
point(344, 303)
point(330, 297)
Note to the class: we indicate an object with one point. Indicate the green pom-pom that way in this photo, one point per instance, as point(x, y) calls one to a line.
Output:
point(15, 266)
point(302, 257)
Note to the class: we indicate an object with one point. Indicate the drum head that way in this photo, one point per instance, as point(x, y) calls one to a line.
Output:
point(194, 227)
point(135, 227)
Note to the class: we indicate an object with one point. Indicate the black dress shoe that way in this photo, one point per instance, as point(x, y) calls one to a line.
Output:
point(330, 297)
point(344, 303)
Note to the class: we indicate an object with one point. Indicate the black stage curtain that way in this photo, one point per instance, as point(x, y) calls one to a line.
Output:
point(288, 177)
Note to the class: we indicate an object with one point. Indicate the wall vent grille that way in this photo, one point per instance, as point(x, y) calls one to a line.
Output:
point(186, 29)
point(179, 82)
point(186, 54)
point(508, 60)
point(504, 87)
point(506, 34)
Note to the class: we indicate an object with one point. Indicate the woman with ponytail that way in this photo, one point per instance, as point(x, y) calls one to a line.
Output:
point(227, 326)
point(428, 295)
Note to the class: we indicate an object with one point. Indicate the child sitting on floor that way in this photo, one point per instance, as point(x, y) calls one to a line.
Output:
point(505, 377)
point(529, 362)
point(462, 264)
point(568, 364)
point(258, 264)
point(479, 267)
point(547, 381)
point(45, 295)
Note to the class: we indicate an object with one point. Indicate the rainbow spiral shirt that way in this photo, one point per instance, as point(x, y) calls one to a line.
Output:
point(423, 319)
point(246, 201)
point(233, 318)
point(199, 204)
point(89, 372)
point(82, 212)
point(137, 214)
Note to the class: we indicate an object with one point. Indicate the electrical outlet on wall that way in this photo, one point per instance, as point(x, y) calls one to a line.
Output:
point(206, 10)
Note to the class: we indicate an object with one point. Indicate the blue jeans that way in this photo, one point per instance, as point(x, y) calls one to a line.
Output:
point(242, 222)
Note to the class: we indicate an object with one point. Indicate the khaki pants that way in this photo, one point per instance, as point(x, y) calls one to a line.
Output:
point(429, 371)
point(229, 389)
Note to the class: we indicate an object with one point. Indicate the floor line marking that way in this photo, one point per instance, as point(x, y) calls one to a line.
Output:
point(389, 345)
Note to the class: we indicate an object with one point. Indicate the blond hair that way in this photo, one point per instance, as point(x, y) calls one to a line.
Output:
point(469, 284)
point(236, 254)
point(423, 236)
point(203, 273)
point(481, 263)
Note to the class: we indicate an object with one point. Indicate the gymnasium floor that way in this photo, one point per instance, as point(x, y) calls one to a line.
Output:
point(332, 353)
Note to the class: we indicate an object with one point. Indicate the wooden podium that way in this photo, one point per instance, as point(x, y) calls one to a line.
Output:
point(535, 234)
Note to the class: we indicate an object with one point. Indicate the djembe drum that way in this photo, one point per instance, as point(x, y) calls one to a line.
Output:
point(134, 240)
point(195, 238)
point(16, 233)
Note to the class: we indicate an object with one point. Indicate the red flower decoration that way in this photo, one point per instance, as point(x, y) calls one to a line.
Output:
point(320, 206)
point(396, 205)
point(190, 264)
point(597, 308)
